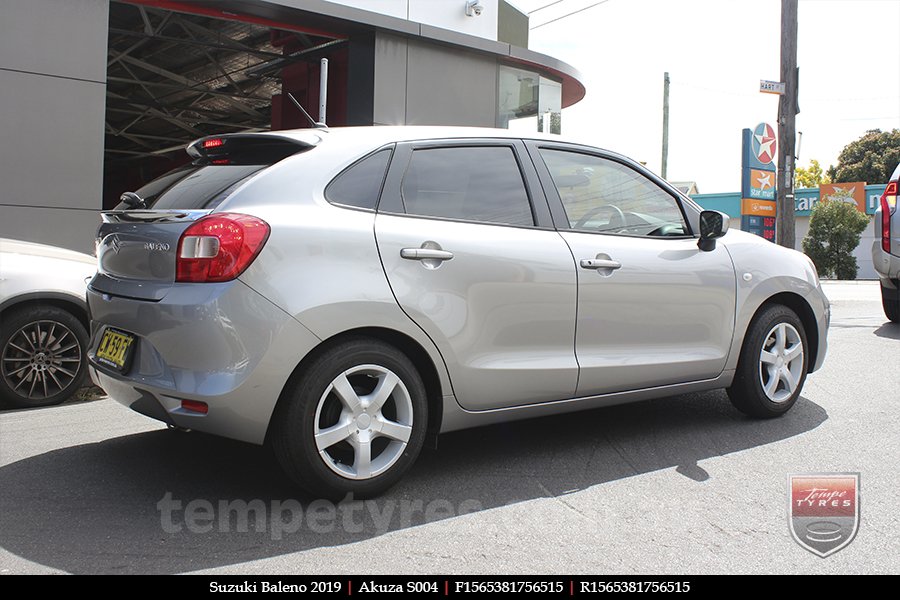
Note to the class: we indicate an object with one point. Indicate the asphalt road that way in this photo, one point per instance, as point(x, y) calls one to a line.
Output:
point(679, 485)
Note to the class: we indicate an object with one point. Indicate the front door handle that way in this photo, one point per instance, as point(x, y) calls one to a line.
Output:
point(600, 263)
point(425, 254)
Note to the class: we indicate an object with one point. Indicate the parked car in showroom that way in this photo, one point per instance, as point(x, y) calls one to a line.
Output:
point(347, 294)
point(43, 322)
point(886, 247)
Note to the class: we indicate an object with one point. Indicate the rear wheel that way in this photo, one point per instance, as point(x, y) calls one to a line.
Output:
point(43, 356)
point(890, 300)
point(773, 364)
point(354, 423)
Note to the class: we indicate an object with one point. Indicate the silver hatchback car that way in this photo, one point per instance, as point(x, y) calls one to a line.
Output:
point(348, 294)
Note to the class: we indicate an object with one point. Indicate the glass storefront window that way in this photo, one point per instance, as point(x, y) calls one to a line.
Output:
point(528, 101)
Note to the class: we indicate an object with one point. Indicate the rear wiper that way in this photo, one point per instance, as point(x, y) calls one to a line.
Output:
point(132, 200)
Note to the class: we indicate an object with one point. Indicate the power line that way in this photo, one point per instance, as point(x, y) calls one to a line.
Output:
point(531, 12)
point(571, 13)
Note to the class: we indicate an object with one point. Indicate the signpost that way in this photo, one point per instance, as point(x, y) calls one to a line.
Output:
point(771, 87)
point(758, 183)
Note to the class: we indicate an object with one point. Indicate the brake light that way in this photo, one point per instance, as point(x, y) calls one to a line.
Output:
point(219, 247)
point(213, 143)
point(888, 207)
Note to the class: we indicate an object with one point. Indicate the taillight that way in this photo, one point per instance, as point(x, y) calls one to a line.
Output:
point(219, 247)
point(888, 207)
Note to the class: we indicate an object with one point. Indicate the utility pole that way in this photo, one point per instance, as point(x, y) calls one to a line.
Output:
point(787, 114)
point(665, 145)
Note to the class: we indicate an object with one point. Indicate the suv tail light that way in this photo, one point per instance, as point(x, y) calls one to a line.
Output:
point(888, 208)
point(219, 247)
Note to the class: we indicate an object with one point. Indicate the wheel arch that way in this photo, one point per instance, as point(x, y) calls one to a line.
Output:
point(75, 306)
point(407, 345)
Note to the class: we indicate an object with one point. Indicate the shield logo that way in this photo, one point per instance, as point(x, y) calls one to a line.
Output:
point(823, 510)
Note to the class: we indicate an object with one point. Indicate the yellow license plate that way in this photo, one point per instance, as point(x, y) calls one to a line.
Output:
point(115, 349)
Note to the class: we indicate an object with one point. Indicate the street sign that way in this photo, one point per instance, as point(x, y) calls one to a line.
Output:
point(771, 87)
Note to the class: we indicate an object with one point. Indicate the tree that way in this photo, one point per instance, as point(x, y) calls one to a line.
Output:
point(834, 231)
point(812, 176)
point(872, 158)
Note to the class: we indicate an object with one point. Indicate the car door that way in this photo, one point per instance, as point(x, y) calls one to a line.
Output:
point(471, 255)
point(653, 309)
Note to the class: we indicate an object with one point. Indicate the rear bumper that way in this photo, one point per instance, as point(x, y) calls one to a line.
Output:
point(222, 344)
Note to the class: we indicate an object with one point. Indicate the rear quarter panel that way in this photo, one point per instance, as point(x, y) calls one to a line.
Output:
point(321, 263)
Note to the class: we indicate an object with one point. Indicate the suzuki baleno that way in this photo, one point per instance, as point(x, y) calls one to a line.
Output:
point(347, 294)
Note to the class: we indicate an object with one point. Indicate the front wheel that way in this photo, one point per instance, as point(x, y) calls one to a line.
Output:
point(890, 300)
point(354, 423)
point(773, 364)
point(43, 355)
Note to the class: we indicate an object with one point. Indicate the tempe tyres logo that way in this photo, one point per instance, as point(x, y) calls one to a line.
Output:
point(824, 510)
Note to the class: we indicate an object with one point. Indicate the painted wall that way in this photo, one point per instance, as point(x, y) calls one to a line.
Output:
point(52, 107)
point(447, 14)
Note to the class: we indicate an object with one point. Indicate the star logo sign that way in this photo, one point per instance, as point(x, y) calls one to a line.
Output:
point(764, 143)
point(764, 181)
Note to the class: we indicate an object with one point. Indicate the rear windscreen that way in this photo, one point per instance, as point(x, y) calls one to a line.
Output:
point(196, 187)
point(215, 174)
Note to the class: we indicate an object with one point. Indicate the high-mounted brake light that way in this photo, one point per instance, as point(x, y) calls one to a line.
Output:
point(213, 143)
point(888, 207)
point(219, 247)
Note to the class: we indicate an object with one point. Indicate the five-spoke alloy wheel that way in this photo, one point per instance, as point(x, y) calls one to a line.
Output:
point(773, 364)
point(354, 422)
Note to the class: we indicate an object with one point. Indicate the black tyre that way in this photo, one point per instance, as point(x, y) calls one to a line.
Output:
point(773, 364)
point(890, 300)
point(355, 421)
point(44, 358)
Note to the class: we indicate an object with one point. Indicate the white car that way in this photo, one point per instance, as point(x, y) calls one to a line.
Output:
point(43, 322)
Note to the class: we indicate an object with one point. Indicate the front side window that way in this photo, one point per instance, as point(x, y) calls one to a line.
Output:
point(472, 183)
point(604, 196)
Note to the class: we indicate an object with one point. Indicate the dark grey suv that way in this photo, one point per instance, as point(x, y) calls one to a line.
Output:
point(886, 248)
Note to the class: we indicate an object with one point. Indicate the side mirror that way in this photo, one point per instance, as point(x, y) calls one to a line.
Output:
point(713, 224)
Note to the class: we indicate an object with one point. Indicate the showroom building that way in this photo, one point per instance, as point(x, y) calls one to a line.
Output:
point(97, 96)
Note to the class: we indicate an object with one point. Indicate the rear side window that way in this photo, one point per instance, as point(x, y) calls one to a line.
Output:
point(360, 184)
point(477, 183)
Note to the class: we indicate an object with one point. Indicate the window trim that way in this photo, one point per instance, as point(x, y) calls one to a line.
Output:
point(557, 208)
point(387, 147)
point(392, 200)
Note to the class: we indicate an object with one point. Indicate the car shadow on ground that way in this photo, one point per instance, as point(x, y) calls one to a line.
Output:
point(889, 330)
point(112, 506)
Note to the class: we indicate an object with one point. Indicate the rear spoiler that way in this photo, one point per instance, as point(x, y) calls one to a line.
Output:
point(233, 145)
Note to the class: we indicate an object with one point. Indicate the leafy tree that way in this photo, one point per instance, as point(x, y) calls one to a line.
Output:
point(872, 158)
point(812, 176)
point(834, 232)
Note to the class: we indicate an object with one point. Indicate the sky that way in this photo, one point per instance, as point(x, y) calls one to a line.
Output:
point(716, 51)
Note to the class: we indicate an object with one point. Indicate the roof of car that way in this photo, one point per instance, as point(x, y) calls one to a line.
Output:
point(400, 133)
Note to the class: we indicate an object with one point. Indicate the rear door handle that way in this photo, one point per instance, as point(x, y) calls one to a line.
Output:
point(600, 263)
point(425, 254)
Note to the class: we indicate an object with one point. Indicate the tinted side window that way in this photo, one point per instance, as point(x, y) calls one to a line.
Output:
point(604, 196)
point(476, 183)
point(360, 184)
